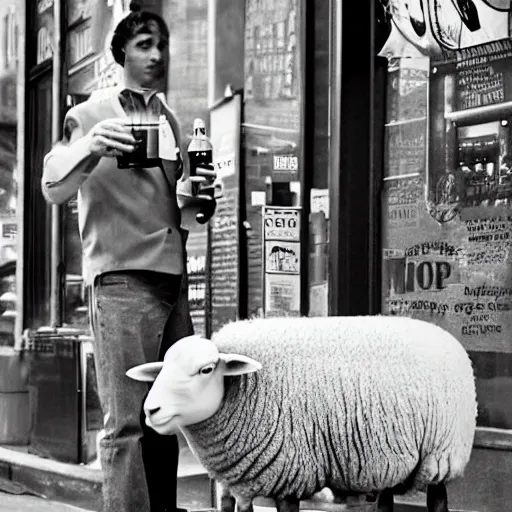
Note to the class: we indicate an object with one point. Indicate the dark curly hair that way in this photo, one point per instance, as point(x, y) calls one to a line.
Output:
point(137, 22)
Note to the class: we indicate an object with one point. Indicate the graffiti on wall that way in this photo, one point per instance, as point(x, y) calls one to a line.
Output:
point(434, 28)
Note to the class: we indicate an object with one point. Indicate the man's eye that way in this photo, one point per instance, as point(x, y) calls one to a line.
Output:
point(207, 369)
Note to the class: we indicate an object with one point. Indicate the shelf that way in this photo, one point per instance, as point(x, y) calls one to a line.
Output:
point(475, 114)
point(406, 121)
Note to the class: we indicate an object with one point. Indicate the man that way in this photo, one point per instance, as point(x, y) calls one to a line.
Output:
point(134, 255)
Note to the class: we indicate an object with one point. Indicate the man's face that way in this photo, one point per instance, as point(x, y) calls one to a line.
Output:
point(147, 57)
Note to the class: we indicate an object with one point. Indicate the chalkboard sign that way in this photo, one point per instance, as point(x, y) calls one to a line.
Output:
point(224, 240)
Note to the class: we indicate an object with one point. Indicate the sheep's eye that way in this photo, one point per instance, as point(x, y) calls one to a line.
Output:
point(207, 369)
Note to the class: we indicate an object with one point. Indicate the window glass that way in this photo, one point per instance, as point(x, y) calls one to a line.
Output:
point(271, 140)
point(91, 71)
point(447, 209)
point(12, 14)
point(187, 93)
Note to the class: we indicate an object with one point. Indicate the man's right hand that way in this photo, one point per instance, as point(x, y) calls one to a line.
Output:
point(111, 138)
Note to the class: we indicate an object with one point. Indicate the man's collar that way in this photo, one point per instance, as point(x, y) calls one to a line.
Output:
point(146, 94)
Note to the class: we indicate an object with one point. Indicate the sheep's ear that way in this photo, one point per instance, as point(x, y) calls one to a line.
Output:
point(237, 364)
point(145, 372)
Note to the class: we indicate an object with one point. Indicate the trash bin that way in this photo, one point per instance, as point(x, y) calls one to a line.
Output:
point(66, 414)
point(14, 398)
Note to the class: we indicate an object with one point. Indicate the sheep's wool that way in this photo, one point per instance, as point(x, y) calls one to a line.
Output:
point(350, 403)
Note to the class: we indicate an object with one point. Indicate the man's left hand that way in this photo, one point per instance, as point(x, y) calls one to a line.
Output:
point(196, 195)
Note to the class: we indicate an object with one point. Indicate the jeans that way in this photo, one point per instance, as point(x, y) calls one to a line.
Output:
point(135, 317)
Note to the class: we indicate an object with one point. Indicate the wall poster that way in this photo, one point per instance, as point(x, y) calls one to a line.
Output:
point(224, 240)
point(281, 267)
point(447, 215)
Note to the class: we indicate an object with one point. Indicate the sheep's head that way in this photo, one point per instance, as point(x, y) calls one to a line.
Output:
point(188, 385)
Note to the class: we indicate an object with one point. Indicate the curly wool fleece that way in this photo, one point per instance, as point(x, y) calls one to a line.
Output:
point(350, 403)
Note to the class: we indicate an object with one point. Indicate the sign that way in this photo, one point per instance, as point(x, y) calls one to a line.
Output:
point(442, 27)
point(44, 5)
point(42, 32)
point(406, 145)
point(224, 242)
point(281, 223)
point(9, 230)
point(285, 168)
point(272, 53)
point(44, 49)
point(482, 73)
point(320, 201)
point(93, 37)
point(80, 43)
point(282, 263)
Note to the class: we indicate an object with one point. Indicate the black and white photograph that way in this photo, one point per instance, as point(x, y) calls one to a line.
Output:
point(255, 255)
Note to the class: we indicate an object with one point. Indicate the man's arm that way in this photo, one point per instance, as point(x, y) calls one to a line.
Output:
point(71, 161)
point(68, 164)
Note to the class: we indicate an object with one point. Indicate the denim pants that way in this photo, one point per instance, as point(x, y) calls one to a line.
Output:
point(135, 317)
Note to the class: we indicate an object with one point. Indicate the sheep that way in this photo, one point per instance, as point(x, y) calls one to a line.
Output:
point(284, 407)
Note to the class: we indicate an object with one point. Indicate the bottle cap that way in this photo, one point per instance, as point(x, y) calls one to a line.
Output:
point(198, 123)
point(199, 127)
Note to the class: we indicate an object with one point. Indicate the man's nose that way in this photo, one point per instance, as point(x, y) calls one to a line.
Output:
point(156, 55)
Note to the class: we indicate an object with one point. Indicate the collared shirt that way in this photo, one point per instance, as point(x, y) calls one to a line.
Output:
point(128, 218)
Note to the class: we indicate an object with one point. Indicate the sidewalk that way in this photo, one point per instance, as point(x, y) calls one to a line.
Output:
point(13, 503)
point(80, 485)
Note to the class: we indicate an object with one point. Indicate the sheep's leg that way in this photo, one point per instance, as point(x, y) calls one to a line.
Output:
point(244, 505)
point(386, 501)
point(437, 498)
point(227, 501)
point(289, 504)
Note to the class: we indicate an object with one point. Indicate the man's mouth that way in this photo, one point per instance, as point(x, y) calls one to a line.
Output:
point(155, 69)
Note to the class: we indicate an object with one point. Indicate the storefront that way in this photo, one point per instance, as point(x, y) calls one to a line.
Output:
point(53, 306)
point(363, 159)
point(374, 176)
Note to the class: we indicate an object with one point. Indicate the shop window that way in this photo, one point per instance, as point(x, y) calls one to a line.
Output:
point(446, 202)
point(271, 152)
point(76, 298)
point(10, 80)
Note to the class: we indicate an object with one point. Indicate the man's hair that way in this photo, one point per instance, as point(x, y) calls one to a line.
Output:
point(137, 22)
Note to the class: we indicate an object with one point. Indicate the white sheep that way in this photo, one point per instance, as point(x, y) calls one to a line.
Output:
point(285, 407)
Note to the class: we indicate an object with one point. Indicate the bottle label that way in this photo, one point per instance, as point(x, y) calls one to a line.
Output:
point(166, 141)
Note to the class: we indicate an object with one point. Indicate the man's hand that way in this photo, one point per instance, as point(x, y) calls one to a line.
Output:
point(200, 204)
point(111, 138)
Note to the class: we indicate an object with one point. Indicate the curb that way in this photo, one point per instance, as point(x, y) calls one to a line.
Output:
point(80, 485)
point(69, 483)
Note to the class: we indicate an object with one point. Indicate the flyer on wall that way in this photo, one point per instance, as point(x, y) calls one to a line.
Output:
point(281, 267)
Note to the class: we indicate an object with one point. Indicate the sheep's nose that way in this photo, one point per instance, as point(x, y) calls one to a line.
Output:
point(153, 411)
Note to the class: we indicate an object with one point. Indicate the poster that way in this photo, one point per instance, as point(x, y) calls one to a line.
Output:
point(92, 67)
point(447, 217)
point(439, 28)
point(282, 263)
point(272, 63)
point(224, 239)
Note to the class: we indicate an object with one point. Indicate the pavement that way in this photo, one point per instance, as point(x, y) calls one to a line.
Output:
point(29, 482)
point(79, 485)
point(23, 503)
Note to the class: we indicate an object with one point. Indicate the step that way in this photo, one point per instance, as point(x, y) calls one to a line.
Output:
point(80, 485)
